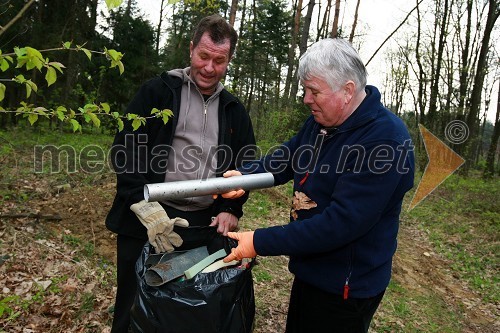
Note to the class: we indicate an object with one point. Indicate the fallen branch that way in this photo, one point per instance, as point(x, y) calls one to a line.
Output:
point(31, 215)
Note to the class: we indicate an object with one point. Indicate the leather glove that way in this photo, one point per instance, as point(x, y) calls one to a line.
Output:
point(245, 248)
point(160, 227)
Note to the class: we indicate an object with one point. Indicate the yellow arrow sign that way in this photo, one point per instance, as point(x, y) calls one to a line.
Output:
point(443, 162)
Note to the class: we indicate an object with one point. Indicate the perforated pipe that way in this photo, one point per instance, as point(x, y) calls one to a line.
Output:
point(195, 188)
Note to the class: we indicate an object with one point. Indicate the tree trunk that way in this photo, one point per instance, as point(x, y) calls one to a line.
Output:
point(492, 151)
point(322, 29)
point(421, 73)
point(335, 26)
point(232, 12)
point(464, 63)
point(302, 46)
point(355, 22)
point(158, 28)
point(475, 99)
point(307, 26)
point(433, 100)
point(291, 50)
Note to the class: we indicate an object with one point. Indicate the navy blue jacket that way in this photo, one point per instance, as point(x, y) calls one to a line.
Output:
point(358, 179)
point(140, 157)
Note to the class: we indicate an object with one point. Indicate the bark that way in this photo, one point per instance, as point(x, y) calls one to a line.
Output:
point(326, 18)
point(492, 150)
point(465, 63)
point(433, 100)
point(158, 28)
point(291, 50)
point(421, 72)
point(303, 45)
point(335, 25)
point(232, 12)
point(475, 104)
point(355, 22)
point(307, 26)
point(17, 17)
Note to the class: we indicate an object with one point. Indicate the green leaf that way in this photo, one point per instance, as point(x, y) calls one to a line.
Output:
point(60, 115)
point(67, 45)
point(41, 110)
point(4, 64)
point(35, 58)
point(87, 53)
point(50, 76)
point(2, 91)
point(114, 55)
point(95, 119)
point(155, 111)
point(28, 90)
point(32, 118)
point(105, 107)
point(60, 112)
point(20, 51)
point(57, 65)
point(136, 123)
point(166, 114)
point(113, 3)
point(121, 67)
point(19, 79)
point(120, 124)
point(115, 115)
point(76, 125)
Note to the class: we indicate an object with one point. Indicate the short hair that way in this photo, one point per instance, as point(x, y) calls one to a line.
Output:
point(335, 61)
point(218, 29)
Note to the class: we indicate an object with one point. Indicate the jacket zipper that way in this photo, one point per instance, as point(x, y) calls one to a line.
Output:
point(346, 284)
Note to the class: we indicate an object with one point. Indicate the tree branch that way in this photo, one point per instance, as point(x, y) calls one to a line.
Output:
point(392, 33)
point(17, 17)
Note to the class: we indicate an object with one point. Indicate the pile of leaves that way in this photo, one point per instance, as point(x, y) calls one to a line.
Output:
point(51, 282)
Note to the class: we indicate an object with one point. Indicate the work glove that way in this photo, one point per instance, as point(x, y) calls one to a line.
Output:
point(160, 227)
point(245, 248)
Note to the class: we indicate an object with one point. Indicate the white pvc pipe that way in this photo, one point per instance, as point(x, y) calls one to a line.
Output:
point(195, 188)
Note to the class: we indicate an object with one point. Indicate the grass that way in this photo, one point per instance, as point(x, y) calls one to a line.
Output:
point(462, 220)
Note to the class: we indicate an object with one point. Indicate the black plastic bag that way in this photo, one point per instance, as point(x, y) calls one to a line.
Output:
point(217, 302)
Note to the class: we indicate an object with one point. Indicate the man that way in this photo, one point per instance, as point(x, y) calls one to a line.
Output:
point(352, 163)
point(208, 130)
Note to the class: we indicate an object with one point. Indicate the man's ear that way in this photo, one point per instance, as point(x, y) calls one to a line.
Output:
point(191, 49)
point(349, 91)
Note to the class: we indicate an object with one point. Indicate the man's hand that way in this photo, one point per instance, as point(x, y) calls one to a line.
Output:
point(245, 248)
point(159, 225)
point(225, 222)
point(232, 194)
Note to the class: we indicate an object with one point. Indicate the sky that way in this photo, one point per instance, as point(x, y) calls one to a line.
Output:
point(377, 19)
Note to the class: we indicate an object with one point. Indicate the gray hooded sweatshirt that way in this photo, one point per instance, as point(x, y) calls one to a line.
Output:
point(195, 140)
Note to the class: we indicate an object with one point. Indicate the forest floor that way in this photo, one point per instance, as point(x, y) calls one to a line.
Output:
point(57, 270)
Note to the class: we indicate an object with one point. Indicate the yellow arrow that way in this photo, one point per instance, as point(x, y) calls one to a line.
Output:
point(443, 162)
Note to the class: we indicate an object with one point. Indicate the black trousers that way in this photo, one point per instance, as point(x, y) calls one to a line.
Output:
point(128, 250)
point(314, 310)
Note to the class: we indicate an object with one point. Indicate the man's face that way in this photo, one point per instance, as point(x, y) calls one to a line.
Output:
point(328, 107)
point(209, 63)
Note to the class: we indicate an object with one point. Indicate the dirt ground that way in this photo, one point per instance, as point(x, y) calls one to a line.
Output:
point(82, 211)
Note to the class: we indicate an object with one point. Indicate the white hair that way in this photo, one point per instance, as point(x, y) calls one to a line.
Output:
point(335, 61)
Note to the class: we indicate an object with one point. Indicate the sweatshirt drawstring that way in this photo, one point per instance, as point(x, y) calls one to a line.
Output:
point(188, 102)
